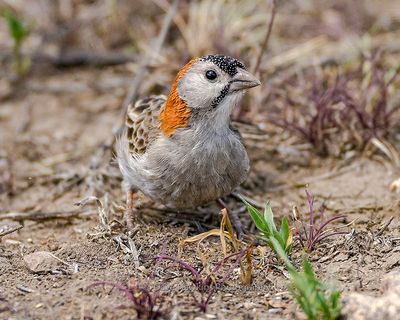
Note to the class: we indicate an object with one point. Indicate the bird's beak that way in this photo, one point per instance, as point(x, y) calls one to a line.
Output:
point(243, 80)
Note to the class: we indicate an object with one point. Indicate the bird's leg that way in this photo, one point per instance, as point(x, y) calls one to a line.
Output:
point(129, 215)
point(234, 218)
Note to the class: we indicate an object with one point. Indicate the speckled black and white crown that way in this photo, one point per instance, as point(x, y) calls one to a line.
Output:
point(225, 63)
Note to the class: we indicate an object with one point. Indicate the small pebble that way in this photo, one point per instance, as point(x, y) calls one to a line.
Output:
point(275, 310)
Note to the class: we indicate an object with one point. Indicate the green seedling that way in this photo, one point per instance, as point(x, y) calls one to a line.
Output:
point(19, 31)
point(318, 300)
point(266, 224)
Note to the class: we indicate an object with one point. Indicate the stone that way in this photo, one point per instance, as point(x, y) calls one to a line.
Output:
point(358, 306)
point(41, 262)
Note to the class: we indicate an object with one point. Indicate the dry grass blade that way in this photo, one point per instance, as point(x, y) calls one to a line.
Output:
point(245, 271)
point(295, 56)
point(388, 149)
point(202, 236)
point(221, 232)
point(103, 214)
point(178, 18)
point(226, 225)
point(134, 251)
point(225, 232)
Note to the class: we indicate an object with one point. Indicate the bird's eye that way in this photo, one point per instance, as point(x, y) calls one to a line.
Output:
point(211, 75)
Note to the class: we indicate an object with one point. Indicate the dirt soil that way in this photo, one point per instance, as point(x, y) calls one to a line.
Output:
point(57, 161)
point(56, 149)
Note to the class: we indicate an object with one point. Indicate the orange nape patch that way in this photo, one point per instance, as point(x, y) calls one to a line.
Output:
point(176, 113)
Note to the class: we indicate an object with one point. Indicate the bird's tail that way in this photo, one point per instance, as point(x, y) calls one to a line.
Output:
point(127, 162)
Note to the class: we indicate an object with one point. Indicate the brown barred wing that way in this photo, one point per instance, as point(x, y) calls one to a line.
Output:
point(142, 123)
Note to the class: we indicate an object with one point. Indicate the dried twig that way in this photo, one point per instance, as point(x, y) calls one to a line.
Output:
point(73, 58)
point(384, 227)
point(133, 92)
point(267, 36)
point(240, 111)
point(40, 215)
point(8, 229)
point(137, 81)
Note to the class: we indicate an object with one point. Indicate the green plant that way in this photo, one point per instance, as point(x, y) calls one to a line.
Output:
point(318, 300)
point(19, 31)
point(266, 224)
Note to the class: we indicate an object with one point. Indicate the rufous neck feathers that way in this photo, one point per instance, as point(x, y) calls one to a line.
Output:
point(176, 113)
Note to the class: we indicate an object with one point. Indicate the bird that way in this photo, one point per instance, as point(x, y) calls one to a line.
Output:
point(181, 150)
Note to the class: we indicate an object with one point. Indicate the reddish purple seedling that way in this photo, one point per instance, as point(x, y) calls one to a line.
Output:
point(340, 110)
point(315, 233)
point(205, 284)
point(146, 304)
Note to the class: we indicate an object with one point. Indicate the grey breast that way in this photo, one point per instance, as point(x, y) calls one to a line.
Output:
point(196, 170)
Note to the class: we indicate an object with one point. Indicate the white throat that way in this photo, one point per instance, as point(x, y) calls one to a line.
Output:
point(222, 114)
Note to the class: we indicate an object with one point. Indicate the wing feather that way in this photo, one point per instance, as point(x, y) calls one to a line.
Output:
point(142, 123)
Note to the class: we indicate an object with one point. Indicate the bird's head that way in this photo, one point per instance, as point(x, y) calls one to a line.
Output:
point(211, 85)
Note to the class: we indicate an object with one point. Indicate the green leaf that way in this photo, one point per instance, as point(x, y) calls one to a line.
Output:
point(286, 235)
point(335, 298)
point(307, 269)
point(257, 218)
point(317, 300)
point(17, 29)
point(323, 304)
point(304, 305)
point(278, 237)
point(284, 229)
point(269, 217)
point(282, 254)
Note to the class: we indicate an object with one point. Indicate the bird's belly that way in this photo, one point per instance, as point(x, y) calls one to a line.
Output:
point(201, 188)
point(194, 180)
